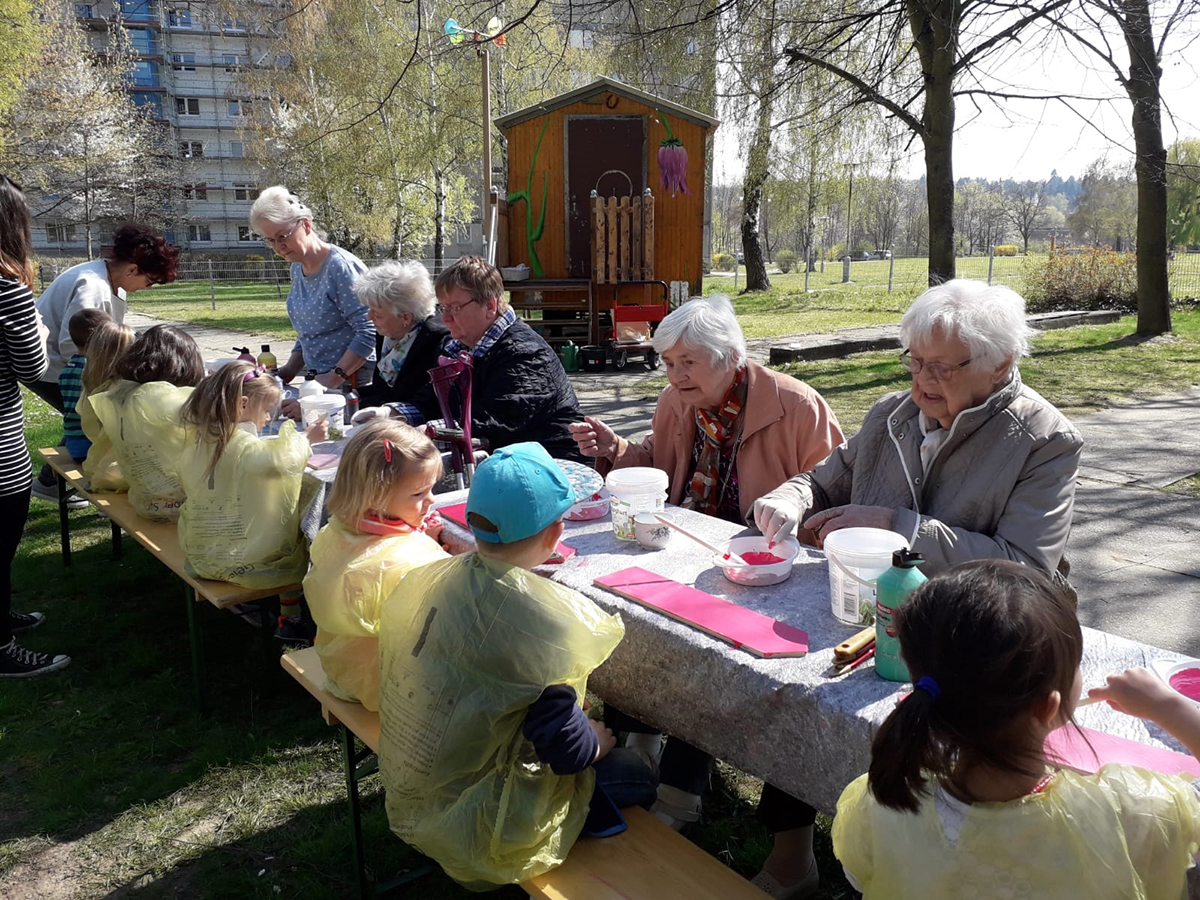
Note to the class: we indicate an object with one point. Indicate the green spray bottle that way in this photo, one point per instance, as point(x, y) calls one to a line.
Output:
point(892, 589)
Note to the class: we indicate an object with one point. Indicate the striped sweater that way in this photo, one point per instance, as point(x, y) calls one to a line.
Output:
point(22, 359)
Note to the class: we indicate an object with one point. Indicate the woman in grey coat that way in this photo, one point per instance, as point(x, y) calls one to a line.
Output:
point(970, 463)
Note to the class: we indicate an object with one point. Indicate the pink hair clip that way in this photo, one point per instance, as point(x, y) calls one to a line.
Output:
point(387, 450)
point(254, 373)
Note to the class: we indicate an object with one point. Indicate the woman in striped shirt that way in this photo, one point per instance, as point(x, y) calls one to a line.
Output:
point(22, 359)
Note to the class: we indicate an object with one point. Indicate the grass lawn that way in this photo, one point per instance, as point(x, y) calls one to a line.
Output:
point(118, 786)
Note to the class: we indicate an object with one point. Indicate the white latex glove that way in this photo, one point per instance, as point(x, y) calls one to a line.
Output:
point(776, 519)
point(366, 414)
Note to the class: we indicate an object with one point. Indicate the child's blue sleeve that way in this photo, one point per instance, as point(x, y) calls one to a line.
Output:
point(560, 732)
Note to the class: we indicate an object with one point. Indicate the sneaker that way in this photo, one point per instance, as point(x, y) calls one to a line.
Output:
point(19, 623)
point(295, 630)
point(805, 887)
point(676, 808)
point(50, 492)
point(18, 662)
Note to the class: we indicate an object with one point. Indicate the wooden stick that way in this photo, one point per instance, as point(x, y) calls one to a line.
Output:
point(734, 559)
point(1089, 701)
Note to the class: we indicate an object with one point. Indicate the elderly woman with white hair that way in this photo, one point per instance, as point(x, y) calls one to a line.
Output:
point(400, 301)
point(969, 463)
point(334, 334)
point(726, 430)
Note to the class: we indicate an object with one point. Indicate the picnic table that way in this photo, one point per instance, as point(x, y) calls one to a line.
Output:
point(782, 720)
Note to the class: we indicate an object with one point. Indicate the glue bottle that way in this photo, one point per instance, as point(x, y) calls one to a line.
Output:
point(891, 590)
point(311, 387)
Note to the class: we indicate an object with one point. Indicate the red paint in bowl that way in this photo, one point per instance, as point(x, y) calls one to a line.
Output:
point(762, 558)
point(1187, 682)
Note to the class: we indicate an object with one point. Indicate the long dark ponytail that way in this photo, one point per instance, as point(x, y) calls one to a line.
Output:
point(995, 638)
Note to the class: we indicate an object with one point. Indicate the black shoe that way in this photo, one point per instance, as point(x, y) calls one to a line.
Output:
point(295, 630)
point(19, 623)
point(18, 662)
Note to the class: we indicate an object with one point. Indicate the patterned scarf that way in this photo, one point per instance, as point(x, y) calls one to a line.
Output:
point(395, 351)
point(704, 494)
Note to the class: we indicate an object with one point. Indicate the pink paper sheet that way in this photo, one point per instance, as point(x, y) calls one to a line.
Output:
point(741, 627)
point(1066, 747)
point(457, 513)
point(323, 460)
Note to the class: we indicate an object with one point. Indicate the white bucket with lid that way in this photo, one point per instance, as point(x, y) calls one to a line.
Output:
point(856, 557)
point(634, 490)
point(329, 406)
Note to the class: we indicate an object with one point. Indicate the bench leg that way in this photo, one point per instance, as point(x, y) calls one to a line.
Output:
point(63, 519)
point(116, 539)
point(360, 864)
point(189, 597)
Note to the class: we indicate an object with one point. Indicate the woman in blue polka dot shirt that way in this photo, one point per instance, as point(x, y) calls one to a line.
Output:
point(334, 335)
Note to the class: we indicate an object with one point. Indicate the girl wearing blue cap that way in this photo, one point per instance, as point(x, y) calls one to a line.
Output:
point(491, 766)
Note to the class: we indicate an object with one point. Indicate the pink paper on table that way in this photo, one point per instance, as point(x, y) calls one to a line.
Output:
point(457, 513)
point(1067, 747)
point(323, 460)
point(744, 628)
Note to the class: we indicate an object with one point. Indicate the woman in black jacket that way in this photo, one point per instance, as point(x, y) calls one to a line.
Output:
point(22, 359)
point(399, 298)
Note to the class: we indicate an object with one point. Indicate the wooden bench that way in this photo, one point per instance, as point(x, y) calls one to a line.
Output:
point(162, 540)
point(648, 860)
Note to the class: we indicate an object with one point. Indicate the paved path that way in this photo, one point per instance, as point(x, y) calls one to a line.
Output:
point(1134, 549)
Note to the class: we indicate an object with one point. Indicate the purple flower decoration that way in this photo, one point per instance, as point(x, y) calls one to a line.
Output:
point(672, 161)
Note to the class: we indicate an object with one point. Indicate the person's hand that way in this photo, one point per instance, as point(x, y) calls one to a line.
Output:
point(1138, 692)
point(594, 438)
point(367, 413)
point(607, 740)
point(286, 374)
point(43, 332)
point(318, 431)
point(827, 521)
point(434, 526)
point(331, 380)
point(290, 408)
point(776, 519)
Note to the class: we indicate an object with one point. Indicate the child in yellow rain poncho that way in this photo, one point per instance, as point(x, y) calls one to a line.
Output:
point(380, 529)
point(241, 520)
point(106, 346)
point(491, 766)
point(139, 415)
point(959, 800)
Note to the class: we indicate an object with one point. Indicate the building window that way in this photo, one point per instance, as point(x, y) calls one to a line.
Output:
point(180, 18)
point(233, 62)
point(240, 107)
point(236, 149)
point(144, 74)
point(245, 234)
point(195, 192)
point(147, 101)
point(183, 62)
point(199, 233)
point(139, 11)
point(191, 149)
point(60, 234)
point(229, 23)
point(187, 106)
point(84, 11)
point(582, 38)
point(245, 192)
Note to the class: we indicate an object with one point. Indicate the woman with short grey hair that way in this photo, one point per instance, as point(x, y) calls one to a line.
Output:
point(333, 333)
point(400, 301)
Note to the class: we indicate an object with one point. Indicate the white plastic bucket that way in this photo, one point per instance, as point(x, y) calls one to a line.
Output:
point(634, 490)
point(857, 556)
point(329, 406)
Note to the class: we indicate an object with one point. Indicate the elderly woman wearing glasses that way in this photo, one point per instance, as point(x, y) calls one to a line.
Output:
point(400, 301)
point(969, 463)
point(334, 333)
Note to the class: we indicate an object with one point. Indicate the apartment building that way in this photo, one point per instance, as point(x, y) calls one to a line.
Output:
point(190, 56)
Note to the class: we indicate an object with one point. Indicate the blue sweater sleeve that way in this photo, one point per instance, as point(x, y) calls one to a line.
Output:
point(559, 731)
point(354, 311)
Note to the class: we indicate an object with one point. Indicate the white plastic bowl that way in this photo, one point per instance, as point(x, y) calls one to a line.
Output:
point(1164, 669)
point(586, 510)
point(758, 576)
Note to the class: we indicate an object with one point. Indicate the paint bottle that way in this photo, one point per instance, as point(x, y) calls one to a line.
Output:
point(311, 387)
point(245, 354)
point(267, 359)
point(351, 396)
point(891, 590)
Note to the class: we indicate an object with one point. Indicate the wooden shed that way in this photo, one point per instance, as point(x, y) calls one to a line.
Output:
point(605, 199)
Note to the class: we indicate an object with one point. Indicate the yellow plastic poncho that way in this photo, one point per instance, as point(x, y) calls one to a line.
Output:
point(469, 645)
point(351, 575)
point(242, 523)
point(142, 421)
point(1122, 834)
point(100, 468)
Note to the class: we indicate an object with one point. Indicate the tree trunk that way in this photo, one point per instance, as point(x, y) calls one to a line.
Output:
point(935, 27)
point(439, 220)
point(1145, 74)
point(756, 177)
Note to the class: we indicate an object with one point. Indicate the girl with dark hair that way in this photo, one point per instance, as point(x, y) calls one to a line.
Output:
point(22, 359)
point(139, 258)
point(138, 418)
point(960, 799)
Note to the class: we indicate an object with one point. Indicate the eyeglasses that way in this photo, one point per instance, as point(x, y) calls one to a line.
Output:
point(937, 371)
point(452, 311)
point(283, 238)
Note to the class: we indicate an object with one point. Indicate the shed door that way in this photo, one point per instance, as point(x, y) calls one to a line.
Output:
point(606, 154)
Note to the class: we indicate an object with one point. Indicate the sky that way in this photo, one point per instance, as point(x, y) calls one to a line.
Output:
point(1028, 139)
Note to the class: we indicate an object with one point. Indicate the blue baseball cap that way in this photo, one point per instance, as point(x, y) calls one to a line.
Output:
point(520, 490)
